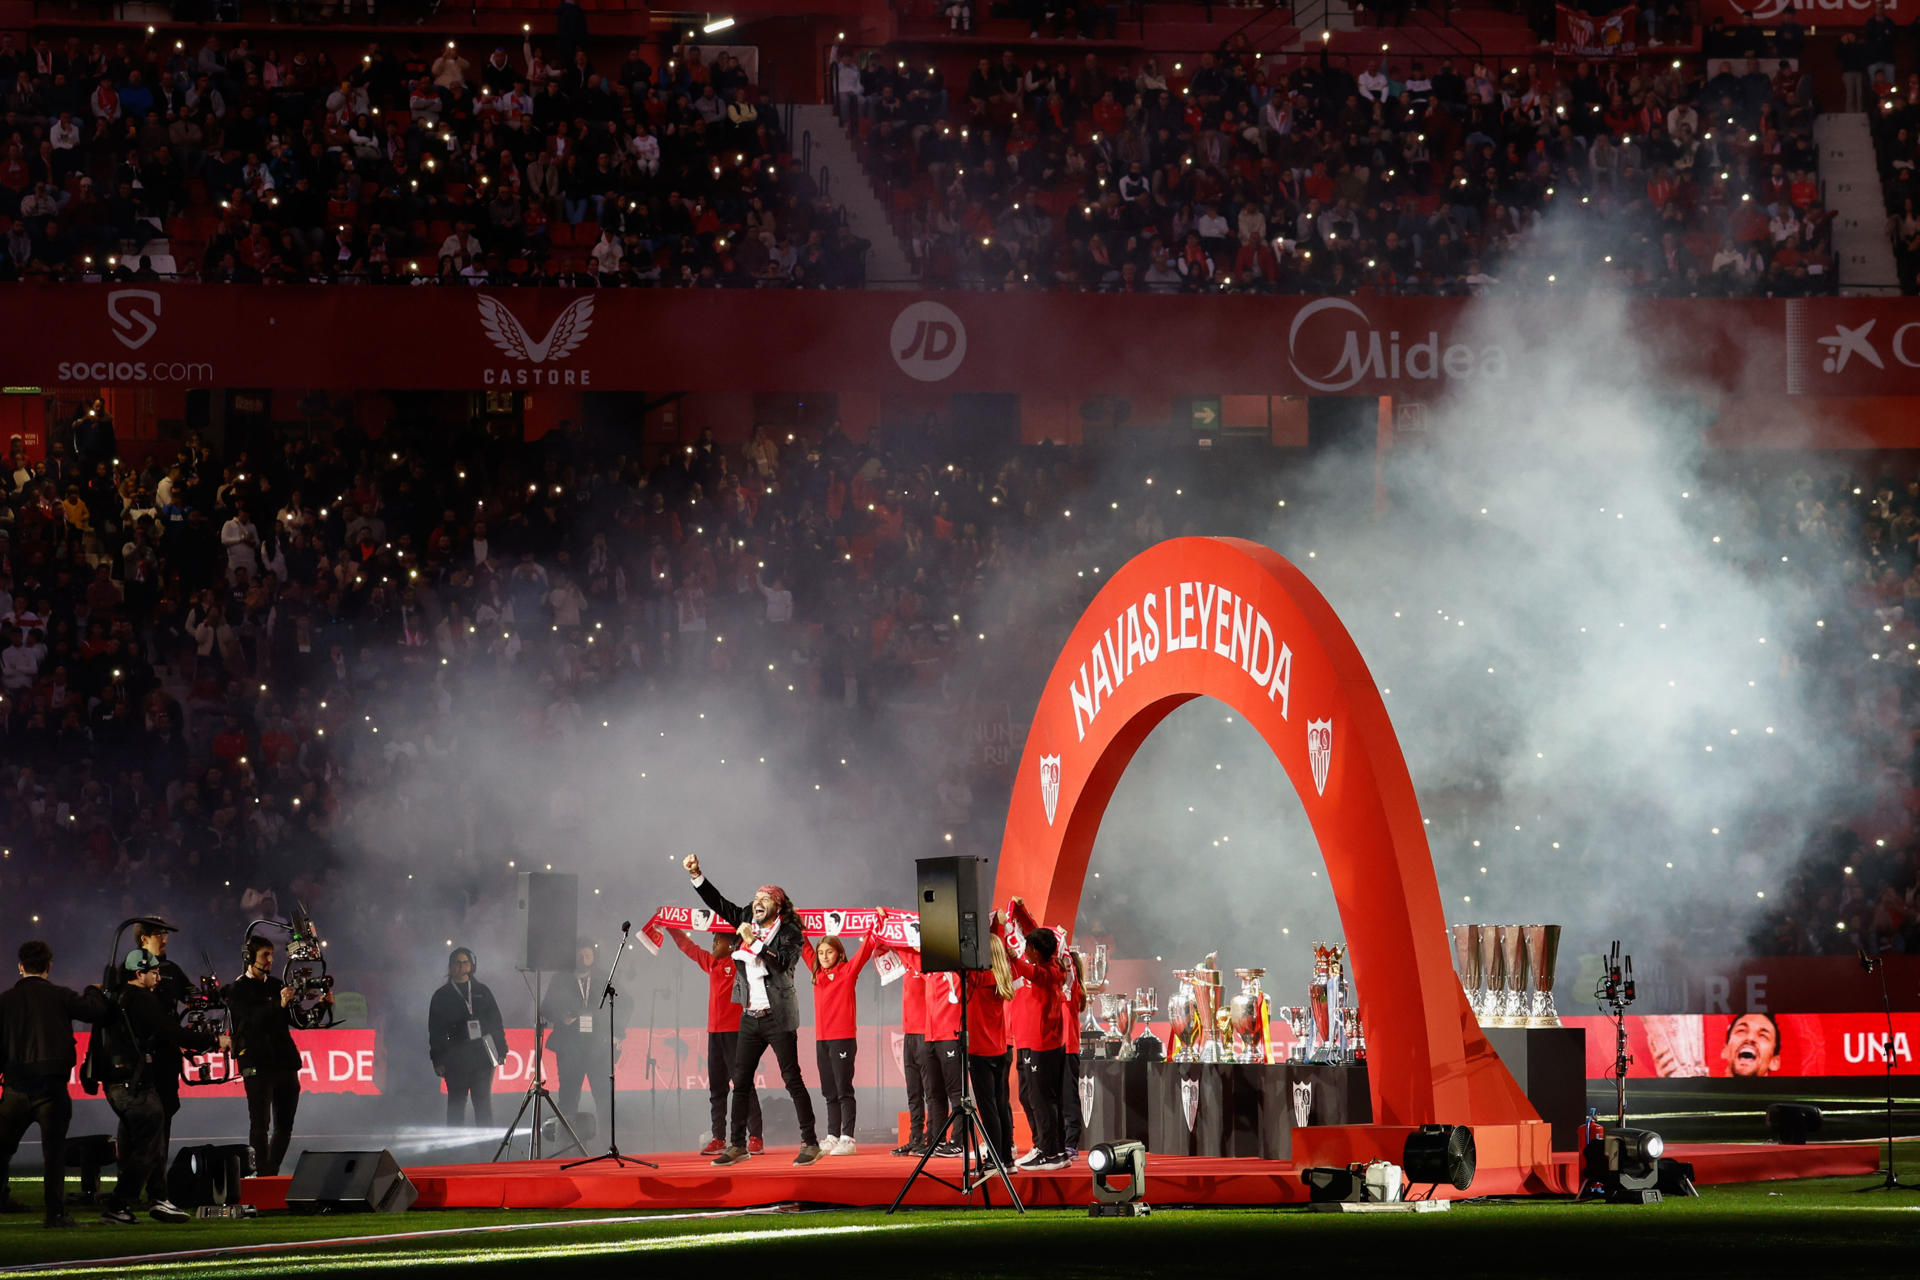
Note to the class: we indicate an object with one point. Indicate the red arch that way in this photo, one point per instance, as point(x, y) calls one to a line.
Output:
point(1427, 1059)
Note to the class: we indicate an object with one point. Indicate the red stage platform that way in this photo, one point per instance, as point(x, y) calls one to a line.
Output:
point(686, 1181)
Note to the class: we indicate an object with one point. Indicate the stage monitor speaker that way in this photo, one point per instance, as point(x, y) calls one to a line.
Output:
point(956, 896)
point(350, 1182)
point(546, 922)
point(209, 1174)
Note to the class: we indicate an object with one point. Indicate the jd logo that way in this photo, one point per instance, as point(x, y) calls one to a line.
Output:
point(928, 342)
point(134, 312)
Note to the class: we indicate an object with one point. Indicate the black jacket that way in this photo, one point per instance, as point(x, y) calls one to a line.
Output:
point(447, 1016)
point(569, 997)
point(36, 1027)
point(158, 1036)
point(781, 957)
point(262, 1032)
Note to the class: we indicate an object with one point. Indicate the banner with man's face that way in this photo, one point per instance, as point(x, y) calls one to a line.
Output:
point(1754, 1045)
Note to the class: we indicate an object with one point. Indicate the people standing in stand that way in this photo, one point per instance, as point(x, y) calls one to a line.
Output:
point(723, 1034)
point(465, 1038)
point(836, 1022)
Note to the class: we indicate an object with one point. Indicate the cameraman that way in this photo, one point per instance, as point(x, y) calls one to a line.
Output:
point(465, 1033)
point(173, 988)
point(264, 1048)
point(150, 1053)
point(37, 1057)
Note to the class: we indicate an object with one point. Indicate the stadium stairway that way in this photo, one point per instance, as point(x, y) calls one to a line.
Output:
point(888, 265)
point(1850, 185)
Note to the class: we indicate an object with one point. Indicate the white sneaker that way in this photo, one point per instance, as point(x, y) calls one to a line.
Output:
point(847, 1146)
point(1027, 1161)
point(167, 1211)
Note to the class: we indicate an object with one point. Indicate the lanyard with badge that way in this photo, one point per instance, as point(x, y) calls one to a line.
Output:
point(475, 1031)
point(585, 1025)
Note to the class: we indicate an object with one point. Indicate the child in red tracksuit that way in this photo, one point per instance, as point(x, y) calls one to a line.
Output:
point(835, 1023)
point(940, 1064)
point(989, 1056)
point(913, 1029)
point(1073, 1003)
point(1040, 1039)
point(723, 1028)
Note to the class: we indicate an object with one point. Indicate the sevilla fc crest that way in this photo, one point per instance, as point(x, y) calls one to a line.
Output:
point(1320, 752)
point(1190, 1101)
point(1050, 784)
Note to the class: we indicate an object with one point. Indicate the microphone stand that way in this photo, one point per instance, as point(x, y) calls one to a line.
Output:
point(653, 1067)
point(1890, 1180)
point(607, 997)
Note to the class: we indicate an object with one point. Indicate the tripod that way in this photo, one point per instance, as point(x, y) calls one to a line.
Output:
point(607, 996)
point(1889, 1181)
point(963, 1122)
point(536, 1095)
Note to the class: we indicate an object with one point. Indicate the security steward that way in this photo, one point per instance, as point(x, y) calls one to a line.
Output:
point(150, 1043)
point(37, 1058)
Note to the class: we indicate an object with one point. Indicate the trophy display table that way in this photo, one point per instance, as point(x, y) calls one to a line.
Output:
point(1550, 1064)
point(1237, 1109)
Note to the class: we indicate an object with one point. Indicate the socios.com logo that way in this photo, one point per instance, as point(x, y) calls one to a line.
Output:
point(928, 342)
point(135, 314)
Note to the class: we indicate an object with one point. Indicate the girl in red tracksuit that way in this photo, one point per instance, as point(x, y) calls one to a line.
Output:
point(940, 1064)
point(1073, 1003)
point(989, 1056)
point(1040, 1039)
point(835, 1022)
point(723, 1028)
point(913, 1028)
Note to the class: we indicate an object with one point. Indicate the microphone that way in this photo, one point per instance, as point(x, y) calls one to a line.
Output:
point(1867, 963)
point(626, 925)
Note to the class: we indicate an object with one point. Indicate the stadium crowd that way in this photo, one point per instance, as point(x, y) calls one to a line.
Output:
point(224, 162)
point(1240, 171)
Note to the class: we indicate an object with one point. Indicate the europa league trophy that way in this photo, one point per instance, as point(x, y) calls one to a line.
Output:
point(1183, 1019)
point(1251, 1015)
point(1542, 951)
point(1210, 1014)
point(1493, 969)
point(1513, 956)
point(1096, 982)
point(1325, 997)
point(1466, 963)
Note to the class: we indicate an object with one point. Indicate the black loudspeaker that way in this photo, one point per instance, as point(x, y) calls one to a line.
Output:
point(1436, 1153)
point(209, 1175)
point(350, 1182)
point(546, 921)
point(955, 907)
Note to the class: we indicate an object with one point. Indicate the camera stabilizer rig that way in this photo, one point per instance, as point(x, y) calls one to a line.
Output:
point(205, 1010)
point(305, 972)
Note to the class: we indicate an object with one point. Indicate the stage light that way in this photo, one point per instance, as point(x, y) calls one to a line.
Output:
point(1791, 1122)
point(1436, 1153)
point(1127, 1160)
point(1624, 1166)
point(718, 24)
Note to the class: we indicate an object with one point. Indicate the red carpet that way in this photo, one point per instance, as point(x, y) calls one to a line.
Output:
point(690, 1182)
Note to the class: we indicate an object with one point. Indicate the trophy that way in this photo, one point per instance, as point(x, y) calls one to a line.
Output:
point(1466, 963)
point(1145, 1045)
point(1356, 1040)
point(1183, 1018)
point(1299, 1020)
point(1542, 950)
point(1251, 1013)
point(1207, 1006)
point(1326, 997)
point(1118, 1010)
point(1096, 982)
point(1513, 957)
point(1493, 968)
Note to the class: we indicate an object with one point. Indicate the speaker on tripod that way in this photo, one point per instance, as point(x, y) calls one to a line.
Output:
point(546, 923)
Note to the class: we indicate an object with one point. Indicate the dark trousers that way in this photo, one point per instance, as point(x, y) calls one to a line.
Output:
point(747, 1051)
point(940, 1061)
point(835, 1059)
point(475, 1082)
point(569, 1070)
point(1040, 1072)
point(275, 1095)
point(989, 1077)
point(910, 1051)
point(139, 1142)
point(1070, 1099)
point(169, 1091)
point(42, 1101)
point(720, 1046)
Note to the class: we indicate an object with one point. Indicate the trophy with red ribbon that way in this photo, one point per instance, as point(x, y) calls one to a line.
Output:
point(1326, 997)
point(1252, 1015)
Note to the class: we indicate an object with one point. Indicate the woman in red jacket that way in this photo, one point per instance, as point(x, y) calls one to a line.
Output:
point(989, 1056)
point(835, 1023)
point(1041, 1039)
point(723, 1028)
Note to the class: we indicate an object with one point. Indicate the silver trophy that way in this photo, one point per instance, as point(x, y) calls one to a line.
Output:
point(1118, 1010)
point(1513, 958)
point(1542, 952)
point(1493, 968)
point(1096, 982)
point(1145, 1008)
point(1250, 1013)
point(1299, 1021)
point(1183, 1019)
point(1466, 963)
point(1208, 1009)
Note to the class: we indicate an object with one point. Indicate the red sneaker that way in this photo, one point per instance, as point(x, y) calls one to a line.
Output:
point(756, 1147)
point(713, 1148)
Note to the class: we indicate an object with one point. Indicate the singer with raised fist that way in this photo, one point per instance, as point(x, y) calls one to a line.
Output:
point(768, 948)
